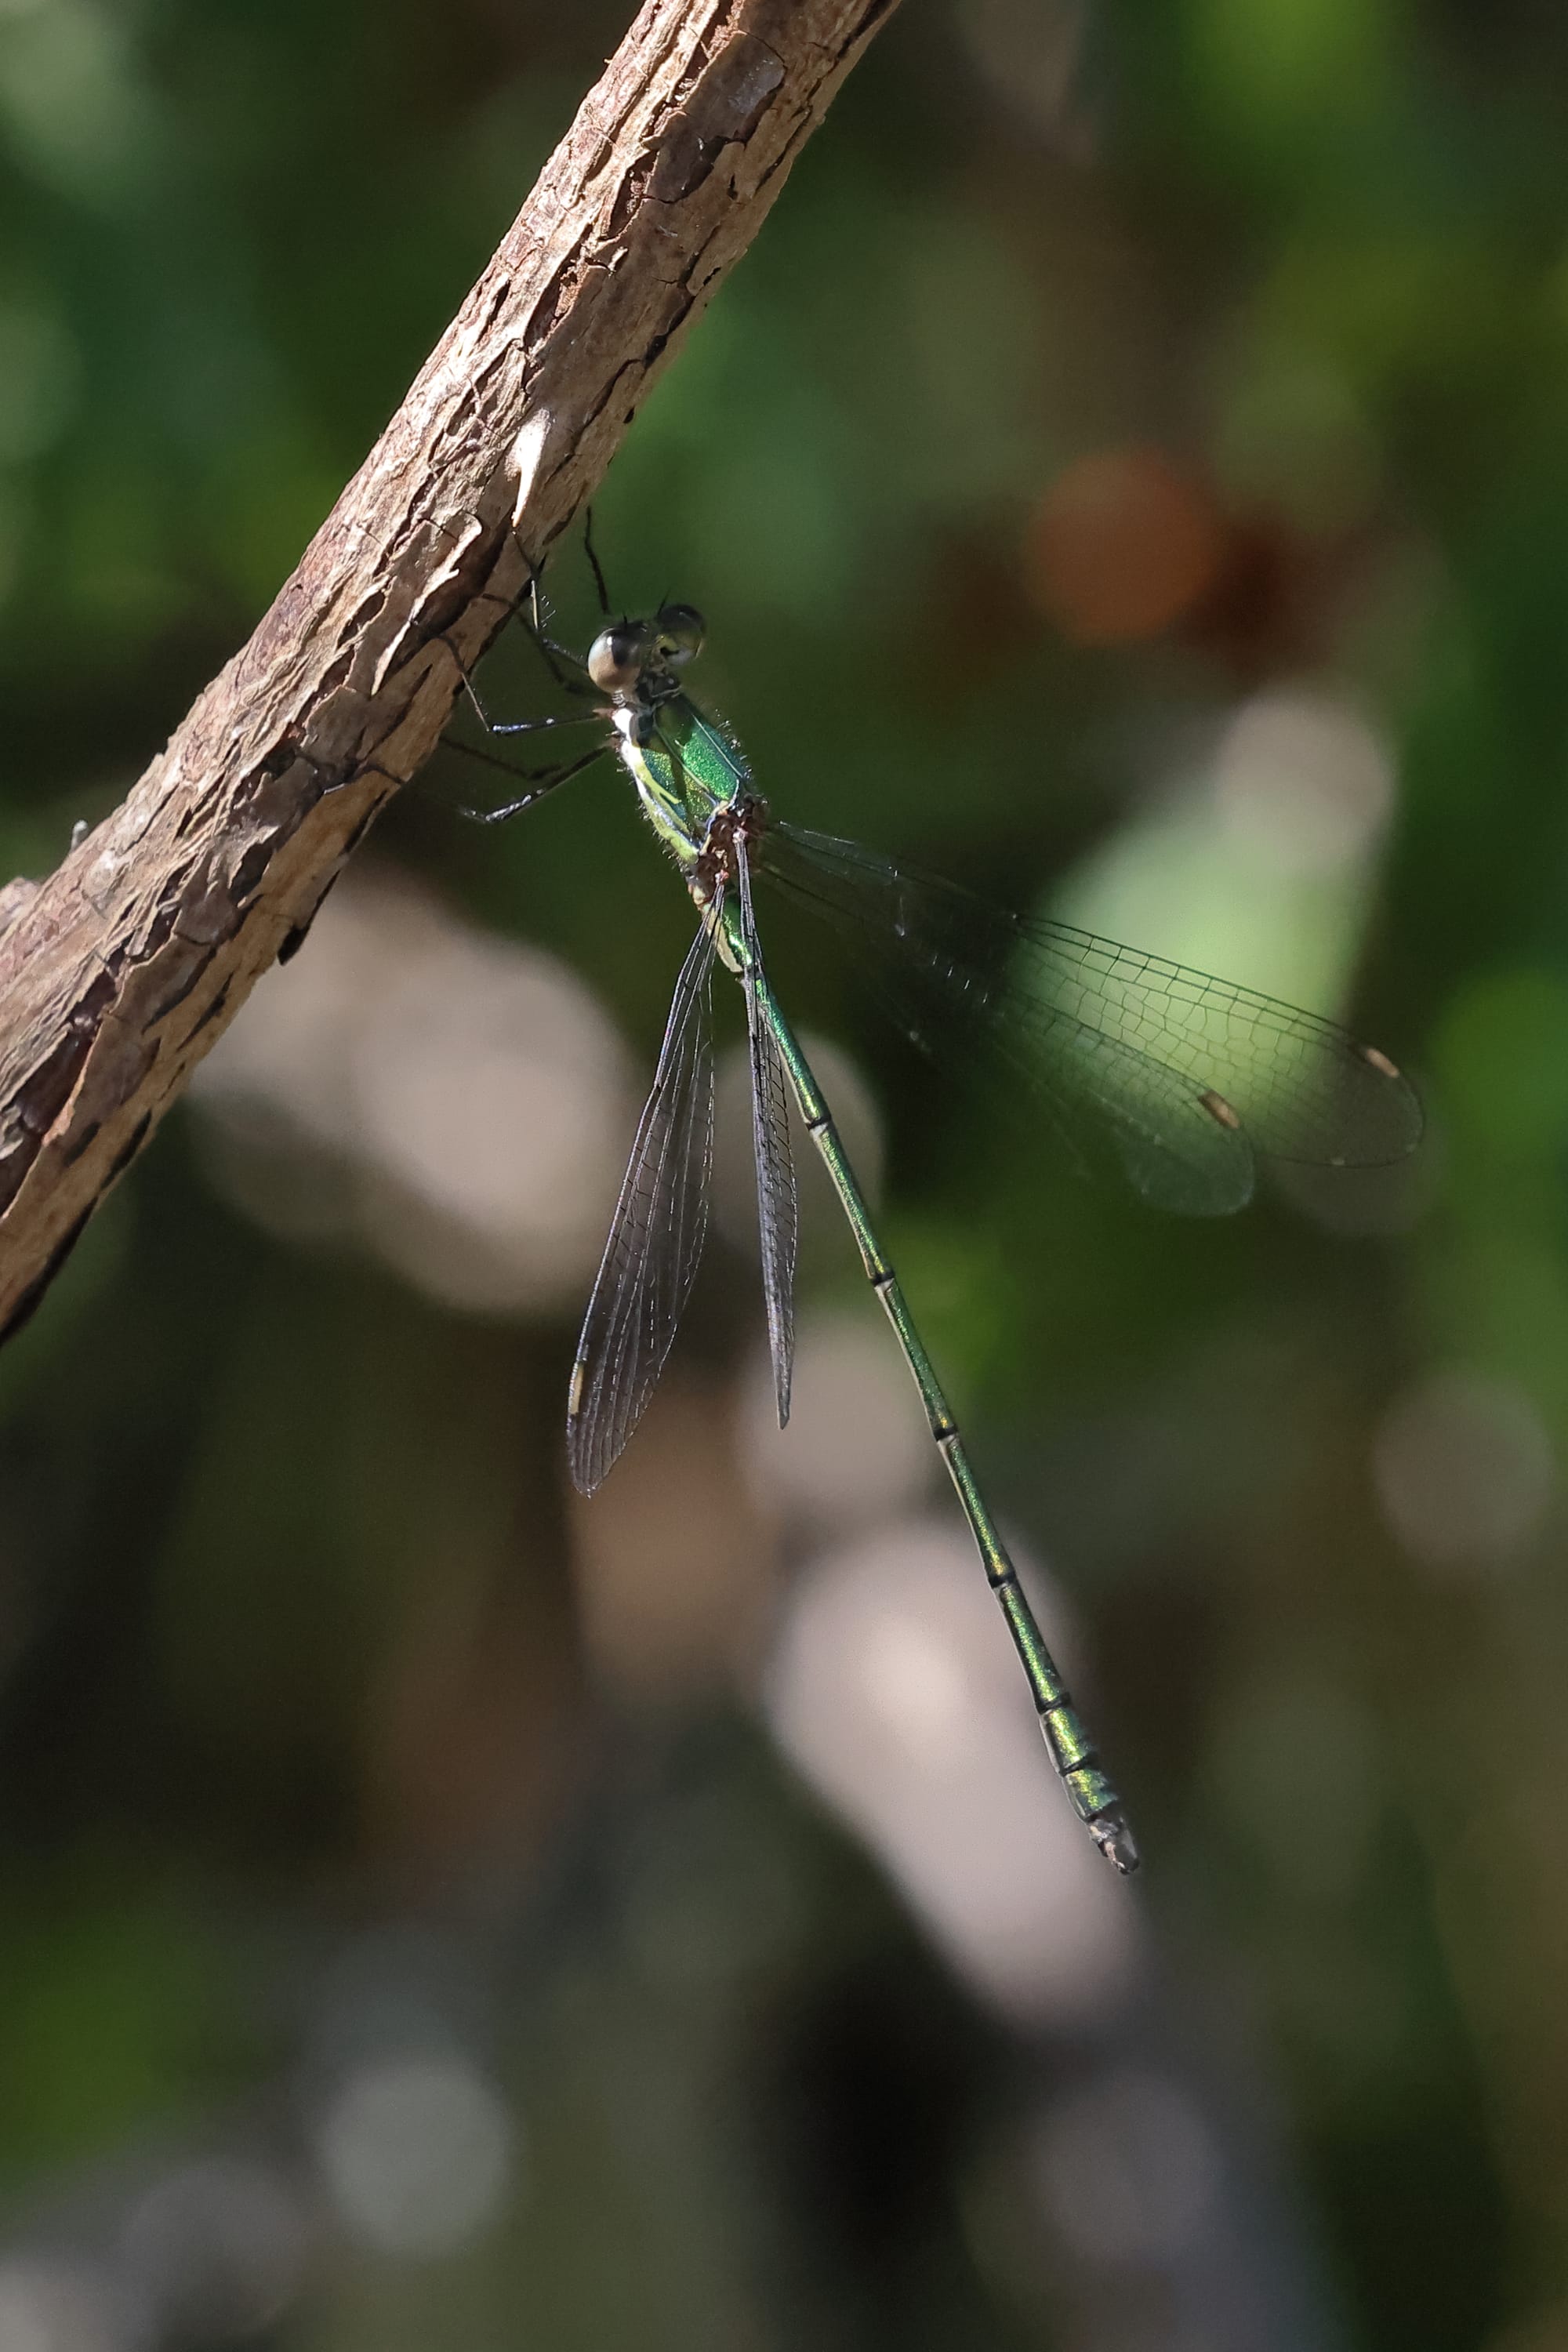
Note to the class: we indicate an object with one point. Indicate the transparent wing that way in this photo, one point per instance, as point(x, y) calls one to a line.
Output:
point(777, 1218)
point(656, 1237)
point(1173, 1077)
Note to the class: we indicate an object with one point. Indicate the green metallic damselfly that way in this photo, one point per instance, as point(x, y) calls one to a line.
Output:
point(1171, 1079)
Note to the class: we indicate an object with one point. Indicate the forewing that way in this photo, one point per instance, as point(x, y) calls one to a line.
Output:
point(1176, 1078)
point(777, 1214)
point(656, 1237)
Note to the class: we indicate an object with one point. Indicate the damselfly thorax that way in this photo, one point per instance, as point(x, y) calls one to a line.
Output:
point(720, 880)
point(733, 833)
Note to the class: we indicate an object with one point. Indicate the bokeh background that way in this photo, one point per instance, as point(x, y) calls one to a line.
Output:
point(1129, 473)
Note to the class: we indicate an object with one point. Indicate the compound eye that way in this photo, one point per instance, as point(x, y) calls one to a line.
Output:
point(618, 655)
point(681, 629)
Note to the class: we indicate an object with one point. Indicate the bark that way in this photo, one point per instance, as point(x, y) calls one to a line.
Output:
point(119, 970)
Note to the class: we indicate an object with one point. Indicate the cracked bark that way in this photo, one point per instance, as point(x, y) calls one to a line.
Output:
point(120, 969)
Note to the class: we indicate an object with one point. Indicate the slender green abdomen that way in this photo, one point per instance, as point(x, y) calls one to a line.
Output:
point(1093, 1795)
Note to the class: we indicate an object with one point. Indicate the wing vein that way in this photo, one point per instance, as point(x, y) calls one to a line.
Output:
point(1173, 1077)
point(656, 1236)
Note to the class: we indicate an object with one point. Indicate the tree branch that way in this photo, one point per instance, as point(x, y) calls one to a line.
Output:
point(120, 969)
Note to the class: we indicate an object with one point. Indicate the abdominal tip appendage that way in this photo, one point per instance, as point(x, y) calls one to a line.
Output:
point(1116, 1842)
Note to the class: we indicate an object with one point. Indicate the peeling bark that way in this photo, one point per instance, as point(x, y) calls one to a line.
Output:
point(119, 969)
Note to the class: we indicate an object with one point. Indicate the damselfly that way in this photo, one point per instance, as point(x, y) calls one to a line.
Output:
point(1176, 1080)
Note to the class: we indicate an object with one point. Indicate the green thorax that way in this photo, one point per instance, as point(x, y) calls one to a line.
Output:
point(682, 774)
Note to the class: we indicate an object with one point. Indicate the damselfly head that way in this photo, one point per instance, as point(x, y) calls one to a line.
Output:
point(680, 630)
point(619, 655)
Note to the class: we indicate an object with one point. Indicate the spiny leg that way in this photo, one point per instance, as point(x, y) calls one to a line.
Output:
point(1092, 1793)
point(555, 655)
point(552, 655)
point(596, 567)
point(601, 711)
point(543, 780)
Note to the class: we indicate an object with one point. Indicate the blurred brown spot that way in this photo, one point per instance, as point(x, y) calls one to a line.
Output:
point(674, 1563)
point(1268, 609)
point(473, 1729)
point(975, 623)
point(1122, 545)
